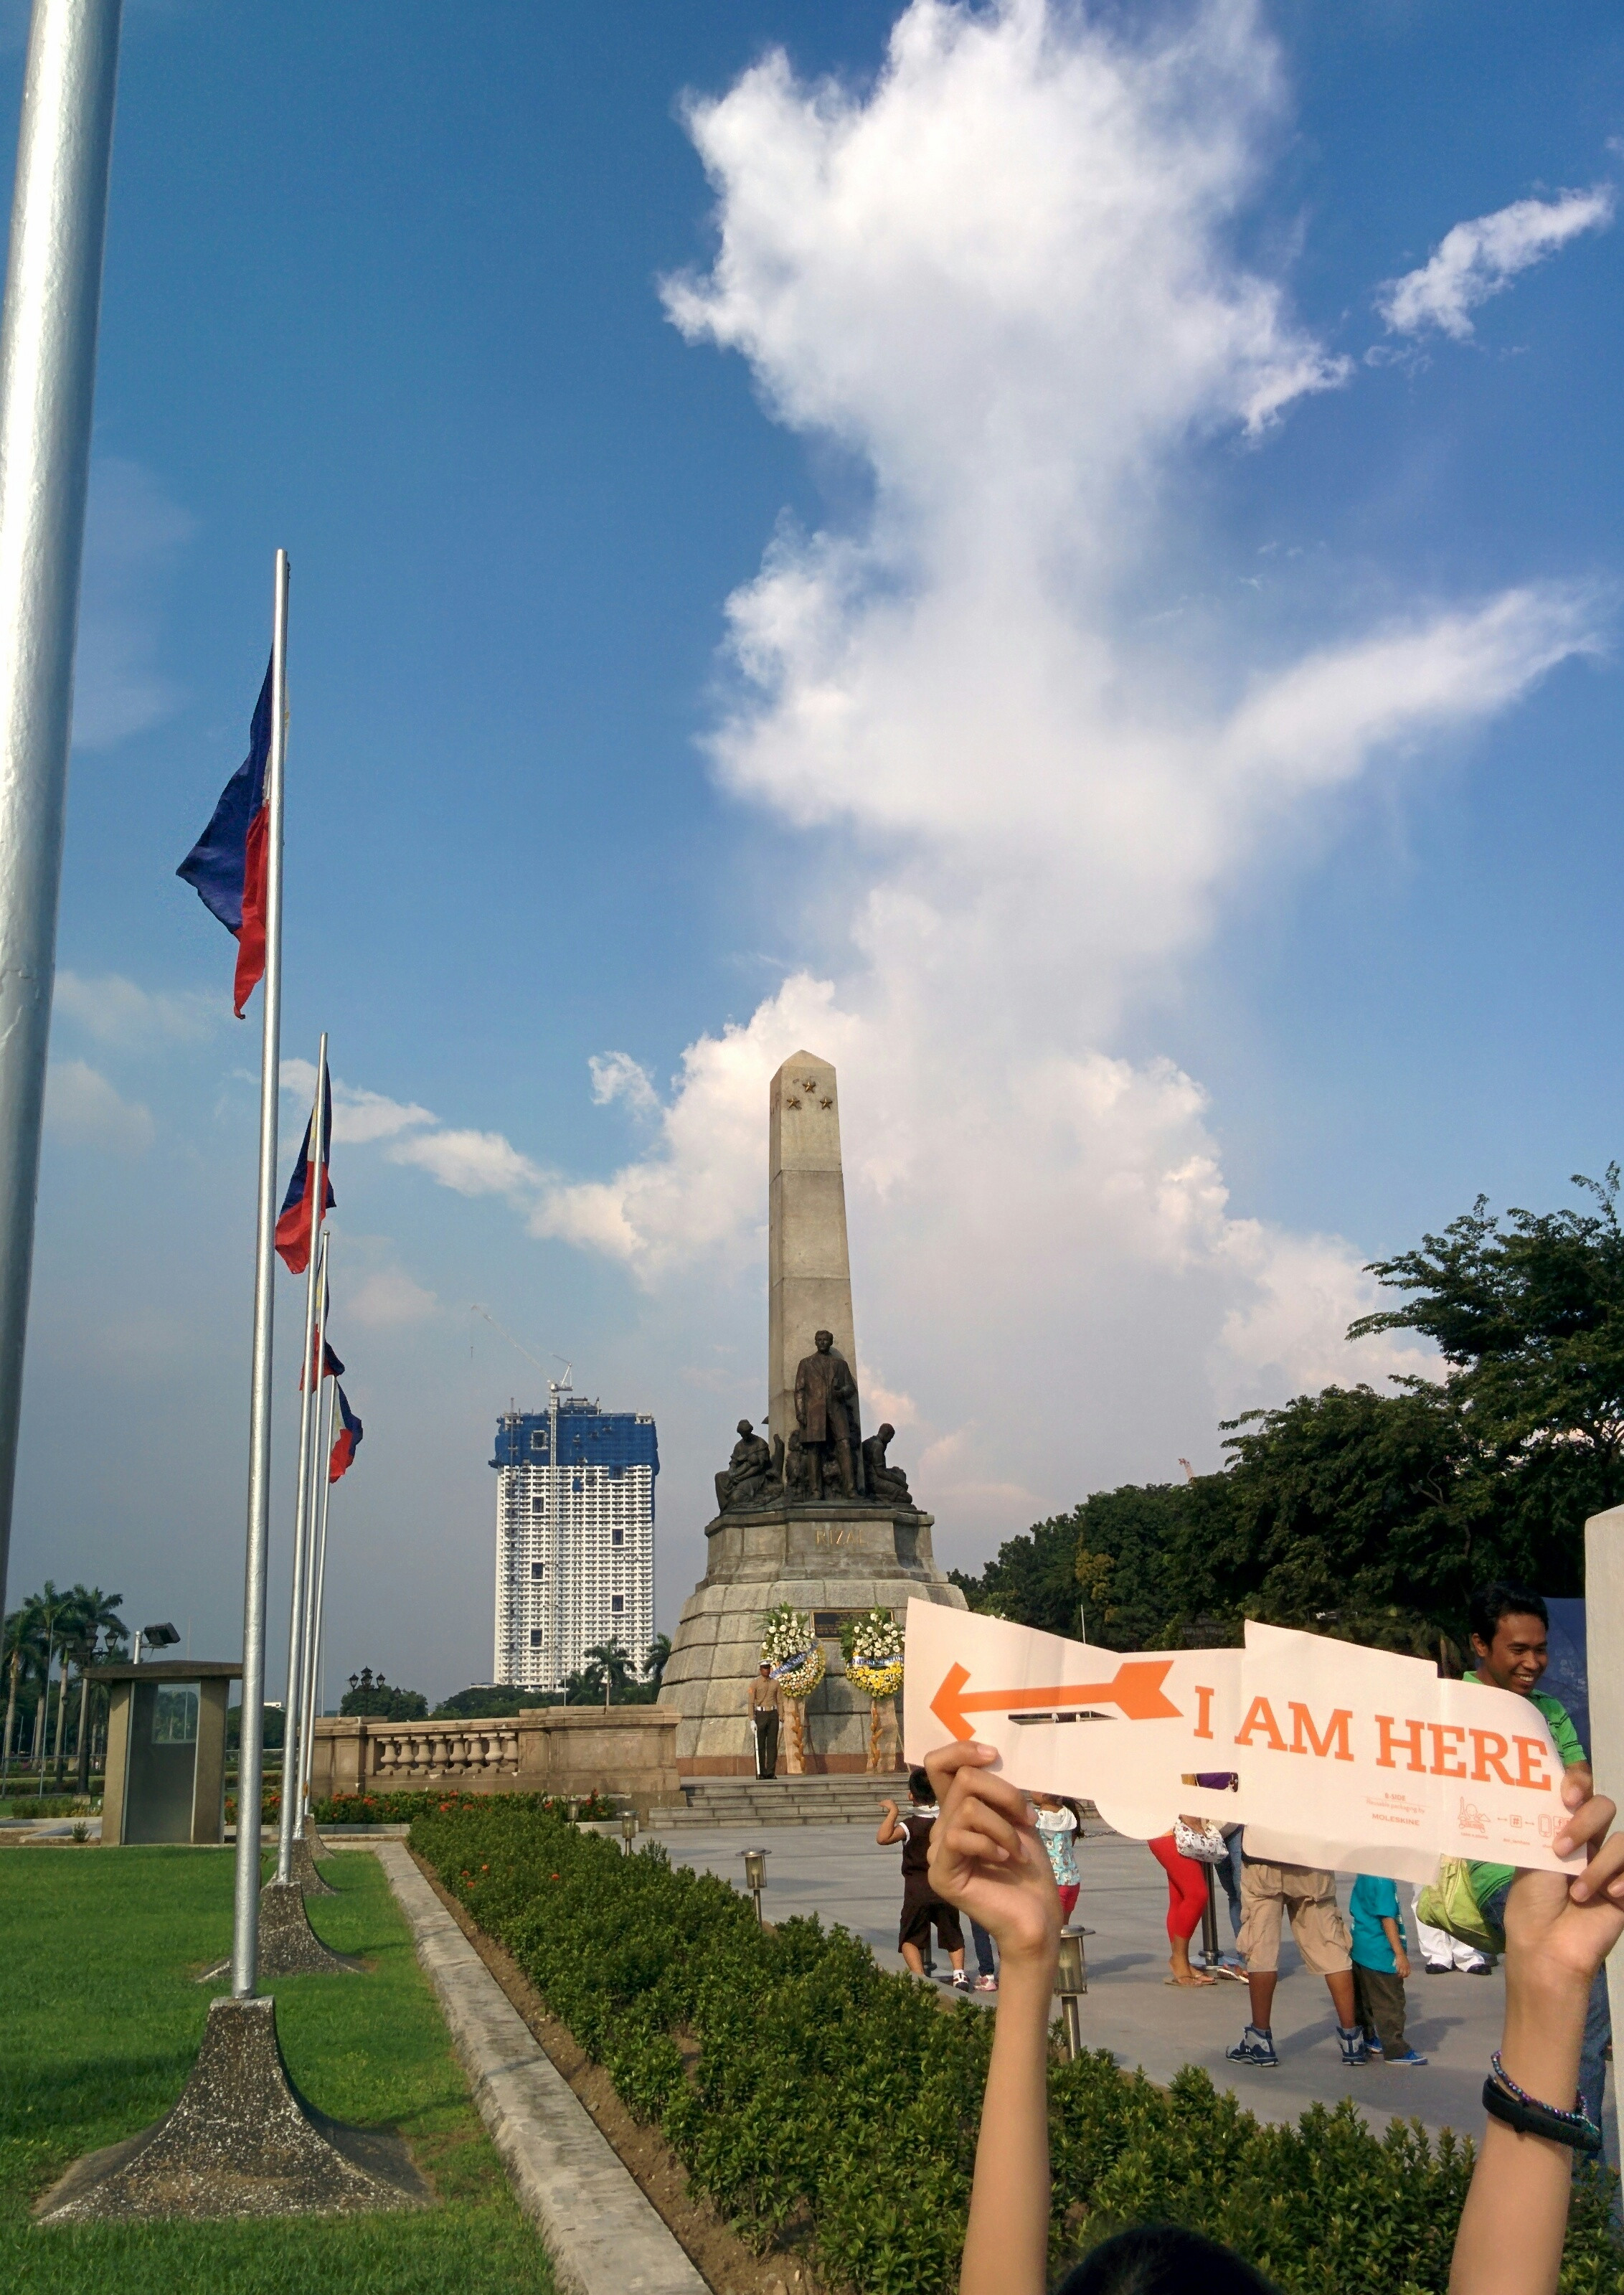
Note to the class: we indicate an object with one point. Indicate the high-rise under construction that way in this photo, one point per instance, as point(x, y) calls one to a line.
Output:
point(575, 1538)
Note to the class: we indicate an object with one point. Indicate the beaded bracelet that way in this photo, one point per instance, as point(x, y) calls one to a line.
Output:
point(1505, 2101)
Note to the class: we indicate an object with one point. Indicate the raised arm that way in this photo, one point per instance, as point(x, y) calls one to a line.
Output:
point(985, 1857)
point(1557, 1934)
point(890, 1830)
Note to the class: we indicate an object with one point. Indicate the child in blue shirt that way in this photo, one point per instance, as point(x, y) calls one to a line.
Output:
point(1380, 1966)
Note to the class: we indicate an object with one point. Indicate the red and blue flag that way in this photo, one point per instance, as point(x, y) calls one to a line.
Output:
point(226, 867)
point(331, 1367)
point(348, 1439)
point(293, 1220)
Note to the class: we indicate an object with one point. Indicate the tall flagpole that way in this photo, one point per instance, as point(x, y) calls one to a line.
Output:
point(315, 1182)
point(47, 383)
point(318, 1355)
point(250, 1761)
point(313, 1700)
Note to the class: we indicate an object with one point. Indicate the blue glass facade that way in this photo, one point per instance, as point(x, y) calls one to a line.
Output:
point(587, 1437)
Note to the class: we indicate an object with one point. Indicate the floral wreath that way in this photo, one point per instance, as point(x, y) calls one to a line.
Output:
point(792, 1650)
point(873, 1646)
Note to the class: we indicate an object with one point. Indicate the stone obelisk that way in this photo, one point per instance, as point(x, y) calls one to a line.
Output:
point(832, 1556)
point(808, 1273)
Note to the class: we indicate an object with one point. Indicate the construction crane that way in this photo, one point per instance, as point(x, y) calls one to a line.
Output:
point(475, 1309)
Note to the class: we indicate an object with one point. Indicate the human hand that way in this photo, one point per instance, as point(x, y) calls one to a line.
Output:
point(890, 1809)
point(1401, 1962)
point(986, 1855)
point(1559, 1928)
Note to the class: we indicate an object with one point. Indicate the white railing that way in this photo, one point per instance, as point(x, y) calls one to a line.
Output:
point(396, 1750)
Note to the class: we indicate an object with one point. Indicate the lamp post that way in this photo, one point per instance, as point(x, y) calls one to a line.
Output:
point(755, 1878)
point(1070, 1982)
point(628, 1829)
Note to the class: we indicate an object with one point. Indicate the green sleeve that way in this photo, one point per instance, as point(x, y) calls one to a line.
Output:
point(1561, 1721)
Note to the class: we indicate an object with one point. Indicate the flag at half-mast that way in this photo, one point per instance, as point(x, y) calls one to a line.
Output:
point(331, 1367)
point(348, 1440)
point(227, 866)
point(293, 1220)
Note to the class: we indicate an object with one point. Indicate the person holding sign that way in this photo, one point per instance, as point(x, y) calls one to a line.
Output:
point(985, 1857)
point(1509, 1641)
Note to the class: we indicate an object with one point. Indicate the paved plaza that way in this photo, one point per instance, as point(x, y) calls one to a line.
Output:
point(841, 1874)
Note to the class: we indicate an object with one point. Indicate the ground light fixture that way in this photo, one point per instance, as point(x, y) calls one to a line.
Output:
point(628, 1828)
point(1070, 1982)
point(755, 1876)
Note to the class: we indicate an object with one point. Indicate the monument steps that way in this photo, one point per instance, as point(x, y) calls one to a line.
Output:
point(852, 1800)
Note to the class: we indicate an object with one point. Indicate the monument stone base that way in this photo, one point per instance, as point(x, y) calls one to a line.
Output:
point(830, 1557)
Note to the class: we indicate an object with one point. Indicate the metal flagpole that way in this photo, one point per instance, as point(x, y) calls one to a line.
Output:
point(313, 1702)
point(307, 1622)
point(47, 383)
point(316, 1181)
point(250, 1758)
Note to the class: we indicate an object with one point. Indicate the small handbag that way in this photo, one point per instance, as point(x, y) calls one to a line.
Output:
point(1202, 1841)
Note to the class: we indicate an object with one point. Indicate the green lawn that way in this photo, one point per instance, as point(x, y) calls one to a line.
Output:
point(100, 2018)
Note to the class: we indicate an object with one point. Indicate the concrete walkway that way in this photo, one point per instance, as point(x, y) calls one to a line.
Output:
point(839, 1873)
point(602, 2235)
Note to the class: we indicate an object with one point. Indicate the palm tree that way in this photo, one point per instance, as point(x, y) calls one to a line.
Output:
point(93, 1615)
point(24, 1648)
point(657, 1658)
point(612, 1666)
point(48, 1606)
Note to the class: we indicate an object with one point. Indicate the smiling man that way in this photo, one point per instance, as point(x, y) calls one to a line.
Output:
point(1509, 1641)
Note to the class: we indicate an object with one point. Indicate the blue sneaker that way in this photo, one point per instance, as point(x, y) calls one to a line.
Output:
point(1253, 2047)
point(1373, 2045)
point(1350, 2038)
point(1408, 2056)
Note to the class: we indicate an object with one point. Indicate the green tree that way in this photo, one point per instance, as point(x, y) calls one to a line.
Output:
point(490, 1704)
point(1033, 1578)
point(1530, 1316)
point(370, 1695)
point(92, 1615)
point(656, 1657)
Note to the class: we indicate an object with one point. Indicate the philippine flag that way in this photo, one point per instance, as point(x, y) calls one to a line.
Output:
point(227, 866)
point(348, 1440)
point(331, 1367)
point(293, 1220)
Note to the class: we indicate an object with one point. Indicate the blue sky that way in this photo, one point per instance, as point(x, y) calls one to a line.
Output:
point(931, 552)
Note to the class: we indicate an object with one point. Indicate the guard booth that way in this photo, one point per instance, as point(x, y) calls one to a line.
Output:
point(166, 1751)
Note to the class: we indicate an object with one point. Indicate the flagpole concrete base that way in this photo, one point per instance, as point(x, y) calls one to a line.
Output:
point(287, 1944)
point(242, 2141)
point(305, 1871)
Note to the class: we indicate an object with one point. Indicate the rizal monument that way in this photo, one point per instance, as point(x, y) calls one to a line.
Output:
point(810, 1513)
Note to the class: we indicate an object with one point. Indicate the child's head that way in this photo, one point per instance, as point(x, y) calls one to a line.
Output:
point(1045, 1801)
point(1163, 2260)
point(918, 1786)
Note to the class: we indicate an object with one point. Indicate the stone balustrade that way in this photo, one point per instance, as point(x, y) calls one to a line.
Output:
point(413, 1752)
point(625, 1750)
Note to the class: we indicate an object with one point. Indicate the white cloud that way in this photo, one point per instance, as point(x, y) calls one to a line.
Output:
point(1002, 278)
point(386, 1299)
point(1479, 258)
point(84, 1110)
point(617, 1075)
point(132, 534)
point(359, 1116)
point(472, 1162)
point(115, 1010)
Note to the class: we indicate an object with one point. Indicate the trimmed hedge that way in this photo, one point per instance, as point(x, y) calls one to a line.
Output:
point(812, 2093)
point(406, 1808)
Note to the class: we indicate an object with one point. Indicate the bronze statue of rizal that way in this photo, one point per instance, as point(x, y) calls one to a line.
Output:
point(826, 1412)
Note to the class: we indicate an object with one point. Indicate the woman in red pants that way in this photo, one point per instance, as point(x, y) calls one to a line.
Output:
point(1187, 1898)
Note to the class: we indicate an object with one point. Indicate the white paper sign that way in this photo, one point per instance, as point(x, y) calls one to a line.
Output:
point(1348, 1757)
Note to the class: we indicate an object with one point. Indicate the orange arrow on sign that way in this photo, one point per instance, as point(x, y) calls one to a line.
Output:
point(1135, 1690)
